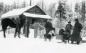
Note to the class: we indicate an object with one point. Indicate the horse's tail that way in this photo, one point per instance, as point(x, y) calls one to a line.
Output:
point(2, 25)
point(1, 22)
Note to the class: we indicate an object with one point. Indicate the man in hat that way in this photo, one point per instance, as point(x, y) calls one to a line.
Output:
point(76, 32)
point(68, 27)
point(67, 32)
point(49, 26)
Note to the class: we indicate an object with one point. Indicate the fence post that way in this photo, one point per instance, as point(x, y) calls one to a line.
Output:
point(27, 24)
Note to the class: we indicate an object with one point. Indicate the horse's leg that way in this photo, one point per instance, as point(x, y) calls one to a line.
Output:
point(4, 29)
point(15, 32)
point(19, 30)
point(24, 29)
point(4, 33)
point(28, 31)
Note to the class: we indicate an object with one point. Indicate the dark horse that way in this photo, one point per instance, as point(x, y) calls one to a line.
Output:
point(16, 23)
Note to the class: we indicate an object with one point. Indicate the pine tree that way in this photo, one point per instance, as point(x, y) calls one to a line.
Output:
point(61, 11)
point(78, 10)
point(1, 7)
point(24, 4)
point(83, 11)
point(51, 10)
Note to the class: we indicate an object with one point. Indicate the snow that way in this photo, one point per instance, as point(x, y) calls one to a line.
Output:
point(37, 45)
point(16, 12)
point(37, 16)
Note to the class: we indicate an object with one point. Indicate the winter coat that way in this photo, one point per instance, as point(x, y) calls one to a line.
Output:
point(76, 32)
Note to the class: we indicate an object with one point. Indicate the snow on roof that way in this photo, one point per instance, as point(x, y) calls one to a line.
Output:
point(16, 12)
point(37, 16)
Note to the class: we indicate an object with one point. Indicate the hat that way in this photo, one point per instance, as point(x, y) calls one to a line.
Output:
point(76, 19)
point(69, 22)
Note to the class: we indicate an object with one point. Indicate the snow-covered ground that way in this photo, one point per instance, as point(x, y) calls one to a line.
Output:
point(37, 45)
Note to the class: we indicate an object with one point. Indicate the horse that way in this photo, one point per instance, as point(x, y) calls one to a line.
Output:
point(65, 35)
point(16, 23)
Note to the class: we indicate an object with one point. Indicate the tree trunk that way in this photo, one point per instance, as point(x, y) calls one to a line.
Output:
point(83, 12)
point(60, 21)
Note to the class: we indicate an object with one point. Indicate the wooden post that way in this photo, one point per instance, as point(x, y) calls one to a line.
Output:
point(35, 32)
point(27, 24)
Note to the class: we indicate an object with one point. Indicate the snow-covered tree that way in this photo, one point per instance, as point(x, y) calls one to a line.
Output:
point(24, 4)
point(1, 7)
point(83, 11)
point(61, 11)
point(51, 9)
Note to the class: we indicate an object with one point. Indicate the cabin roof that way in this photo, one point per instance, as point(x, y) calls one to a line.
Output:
point(37, 16)
point(30, 9)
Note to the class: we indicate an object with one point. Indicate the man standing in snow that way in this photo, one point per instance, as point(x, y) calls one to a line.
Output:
point(68, 28)
point(76, 32)
point(48, 28)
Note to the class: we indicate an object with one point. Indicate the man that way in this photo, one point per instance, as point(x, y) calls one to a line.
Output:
point(48, 26)
point(68, 28)
point(76, 32)
point(67, 32)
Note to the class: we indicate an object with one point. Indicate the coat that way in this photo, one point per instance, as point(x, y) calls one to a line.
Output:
point(76, 32)
point(68, 28)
